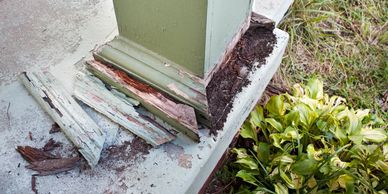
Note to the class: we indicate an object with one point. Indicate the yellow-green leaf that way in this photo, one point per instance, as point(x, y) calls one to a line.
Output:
point(347, 182)
point(283, 160)
point(313, 154)
point(383, 166)
point(280, 189)
point(276, 105)
point(315, 88)
point(247, 177)
point(292, 118)
point(276, 137)
point(297, 90)
point(286, 179)
point(275, 124)
point(257, 117)
point(373, 135)
point(248, 132)
point(248, 163)
point(241, 152)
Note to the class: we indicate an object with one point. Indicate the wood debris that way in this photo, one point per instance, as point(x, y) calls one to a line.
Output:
point(55, 128)
point(32, 154)
point(45, 163)
point(51, 145)
point(30, 136)
point(53, 166)
point(8, 117)
point(93, 92)
point(67, 113)
point(180, 116)
point(33, 184)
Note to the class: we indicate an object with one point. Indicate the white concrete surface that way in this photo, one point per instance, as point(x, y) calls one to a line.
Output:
point(273, 9)
point(53, 36)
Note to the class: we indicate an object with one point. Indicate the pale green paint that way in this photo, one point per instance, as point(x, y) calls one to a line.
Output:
point(224, 21)
point(173, 28)
point(148, 67)
point(150, 107)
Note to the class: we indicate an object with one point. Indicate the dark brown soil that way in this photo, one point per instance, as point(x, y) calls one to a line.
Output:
point(255, 45)
point(224, 179)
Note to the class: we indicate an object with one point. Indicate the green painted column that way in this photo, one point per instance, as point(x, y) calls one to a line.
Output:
point(175, 29)
point(174, 45)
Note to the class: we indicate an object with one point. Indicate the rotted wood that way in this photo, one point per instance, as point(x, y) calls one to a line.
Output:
point(180, 116)
point(53, 166)
point(156, 71)
point(93, 92)
point(66, 112)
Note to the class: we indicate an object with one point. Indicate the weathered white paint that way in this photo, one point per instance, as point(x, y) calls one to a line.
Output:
point(272, 9)
point(181, 116)
point(93, 92)
point(66, 112)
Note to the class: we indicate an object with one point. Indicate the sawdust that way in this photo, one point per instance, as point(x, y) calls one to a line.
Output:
point(119, 157)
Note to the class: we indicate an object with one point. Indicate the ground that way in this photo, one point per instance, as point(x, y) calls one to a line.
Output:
point(345, 44)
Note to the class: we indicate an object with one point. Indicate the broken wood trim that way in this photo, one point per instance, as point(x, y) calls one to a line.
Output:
point(158, 73)
point(66, 112)
point(93, 92)
point(180, 116)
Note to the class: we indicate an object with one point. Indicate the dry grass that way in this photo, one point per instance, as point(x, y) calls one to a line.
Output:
point(345, 43)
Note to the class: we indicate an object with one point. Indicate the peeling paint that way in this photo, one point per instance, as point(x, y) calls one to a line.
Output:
point(93, 92)
point(175, 89)
point(180, 116)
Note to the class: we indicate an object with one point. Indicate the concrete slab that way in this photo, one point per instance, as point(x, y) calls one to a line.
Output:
point(178, 167)
point(41, 33)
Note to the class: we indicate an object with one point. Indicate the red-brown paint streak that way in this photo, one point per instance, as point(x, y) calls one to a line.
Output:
point(124, 77)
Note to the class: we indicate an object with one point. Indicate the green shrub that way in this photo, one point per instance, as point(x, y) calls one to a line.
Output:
point(309, 142)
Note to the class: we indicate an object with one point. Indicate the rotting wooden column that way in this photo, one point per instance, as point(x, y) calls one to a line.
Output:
point(176, 45)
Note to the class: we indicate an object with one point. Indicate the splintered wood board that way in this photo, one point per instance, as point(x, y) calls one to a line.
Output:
point(93, 92)
point(179, 116)
point(66, 112)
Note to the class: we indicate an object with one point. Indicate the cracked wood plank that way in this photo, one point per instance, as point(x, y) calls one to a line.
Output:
point(93, 92)
point(180, 116)
point(66, 112)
